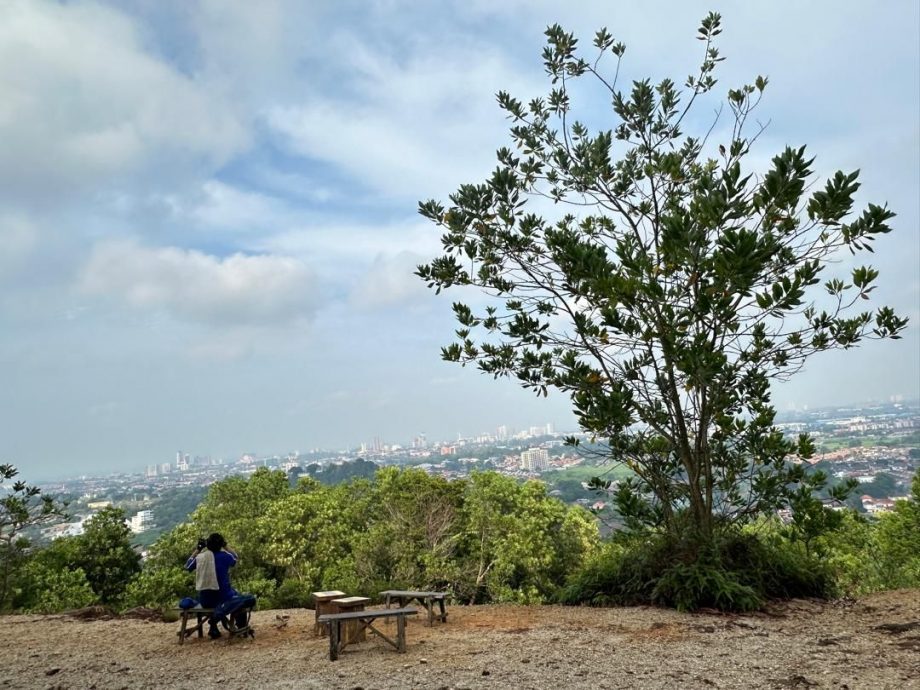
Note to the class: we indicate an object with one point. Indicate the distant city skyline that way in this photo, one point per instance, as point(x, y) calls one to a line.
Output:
point(209, 220)
point(362, 448)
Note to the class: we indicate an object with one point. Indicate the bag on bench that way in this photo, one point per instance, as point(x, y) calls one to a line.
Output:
point(240, 608)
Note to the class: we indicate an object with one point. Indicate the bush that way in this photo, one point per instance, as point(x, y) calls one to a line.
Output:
point(691, 586)
point(293, 594)
point(159, 588)
point(263, 588)
point(738, 574)
point(51, 590)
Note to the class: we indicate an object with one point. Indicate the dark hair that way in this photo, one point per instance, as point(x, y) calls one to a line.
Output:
point(216, 542)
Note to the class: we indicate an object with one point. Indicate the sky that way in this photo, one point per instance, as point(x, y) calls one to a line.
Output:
point(208, 207)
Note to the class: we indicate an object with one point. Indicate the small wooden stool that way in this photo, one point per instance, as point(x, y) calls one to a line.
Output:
point(352, 631)
point(323, 603)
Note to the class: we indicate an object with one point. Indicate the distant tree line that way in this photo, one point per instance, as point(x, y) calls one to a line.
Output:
point(488, 538)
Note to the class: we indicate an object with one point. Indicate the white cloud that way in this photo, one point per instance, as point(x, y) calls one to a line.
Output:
point(191, 285)
point(412, 128)
point(390, 281)
point(18, 236)
point(340, 243)
point(83, 103)
point(224, 206)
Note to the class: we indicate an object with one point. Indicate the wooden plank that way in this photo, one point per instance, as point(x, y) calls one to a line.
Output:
point(351, 601)
point(370, 613)
point(331, 594)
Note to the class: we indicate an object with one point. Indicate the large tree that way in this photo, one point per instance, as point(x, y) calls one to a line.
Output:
point(662, 281)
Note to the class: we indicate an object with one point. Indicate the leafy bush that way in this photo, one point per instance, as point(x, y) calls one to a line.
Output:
point(159, 588)
point(870, 554)
point(739, 574)
point(263, 588)
point(50, 590)
point(293, 594)
point(690, 586)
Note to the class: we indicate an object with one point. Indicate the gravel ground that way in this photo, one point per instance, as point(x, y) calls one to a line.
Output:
point(870, 643)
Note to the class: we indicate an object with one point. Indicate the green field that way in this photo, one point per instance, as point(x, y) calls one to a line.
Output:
point(911, 440)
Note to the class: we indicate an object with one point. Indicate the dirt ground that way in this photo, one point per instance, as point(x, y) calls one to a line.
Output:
point(870, 643)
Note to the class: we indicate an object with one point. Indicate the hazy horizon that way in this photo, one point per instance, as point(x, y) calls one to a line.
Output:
point(208, 209)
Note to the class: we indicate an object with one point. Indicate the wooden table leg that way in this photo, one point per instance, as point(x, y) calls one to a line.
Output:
point(400, 633)
point(182, 628)
point(333, 640)
point(443, 610)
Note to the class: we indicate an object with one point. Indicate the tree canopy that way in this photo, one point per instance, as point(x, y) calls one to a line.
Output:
point(662, 281)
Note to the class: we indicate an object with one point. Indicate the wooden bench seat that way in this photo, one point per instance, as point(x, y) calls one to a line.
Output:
point(201, 616)
point(365, 621)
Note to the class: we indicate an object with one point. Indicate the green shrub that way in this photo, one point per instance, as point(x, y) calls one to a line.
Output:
point(775, 567)
point(692, 586)
point(159, 588)
point(263, 588)
point(51, 590)
point(293, 594)
point(738, 573)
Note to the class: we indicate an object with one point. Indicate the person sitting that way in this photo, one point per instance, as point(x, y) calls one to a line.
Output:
point(211, 561)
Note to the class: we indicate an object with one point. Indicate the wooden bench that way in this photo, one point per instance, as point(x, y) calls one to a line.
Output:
point(426, 599)
point(202, 616)
point(365, 620)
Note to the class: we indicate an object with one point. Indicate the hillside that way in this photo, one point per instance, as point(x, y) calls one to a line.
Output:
point(873, 642)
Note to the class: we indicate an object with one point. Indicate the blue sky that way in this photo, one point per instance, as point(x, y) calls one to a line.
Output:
point(208, 211)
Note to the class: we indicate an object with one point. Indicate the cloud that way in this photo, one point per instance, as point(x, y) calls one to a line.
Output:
point(84, 103)
point(408, 127)
point(19, 237)
point(330, 239)
point(191, 285)
point(390, 281)
point(225, 206)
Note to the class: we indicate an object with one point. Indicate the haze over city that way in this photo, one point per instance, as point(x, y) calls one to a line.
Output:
point(208, 210)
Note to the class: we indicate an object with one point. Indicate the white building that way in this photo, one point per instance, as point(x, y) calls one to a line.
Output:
point(141, 522)
point(534, 459)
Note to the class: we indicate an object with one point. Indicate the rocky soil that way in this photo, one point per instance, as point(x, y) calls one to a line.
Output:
point(870, 643)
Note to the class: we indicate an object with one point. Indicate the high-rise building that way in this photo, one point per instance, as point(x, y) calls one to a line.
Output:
point(502, 433)
point(534, 459)
point(141, 522)
point(165, 468)
point(549, 428)
point(151, 471)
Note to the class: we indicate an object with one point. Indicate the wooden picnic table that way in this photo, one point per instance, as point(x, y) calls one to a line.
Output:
point(426, 599)
point(365, 619)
